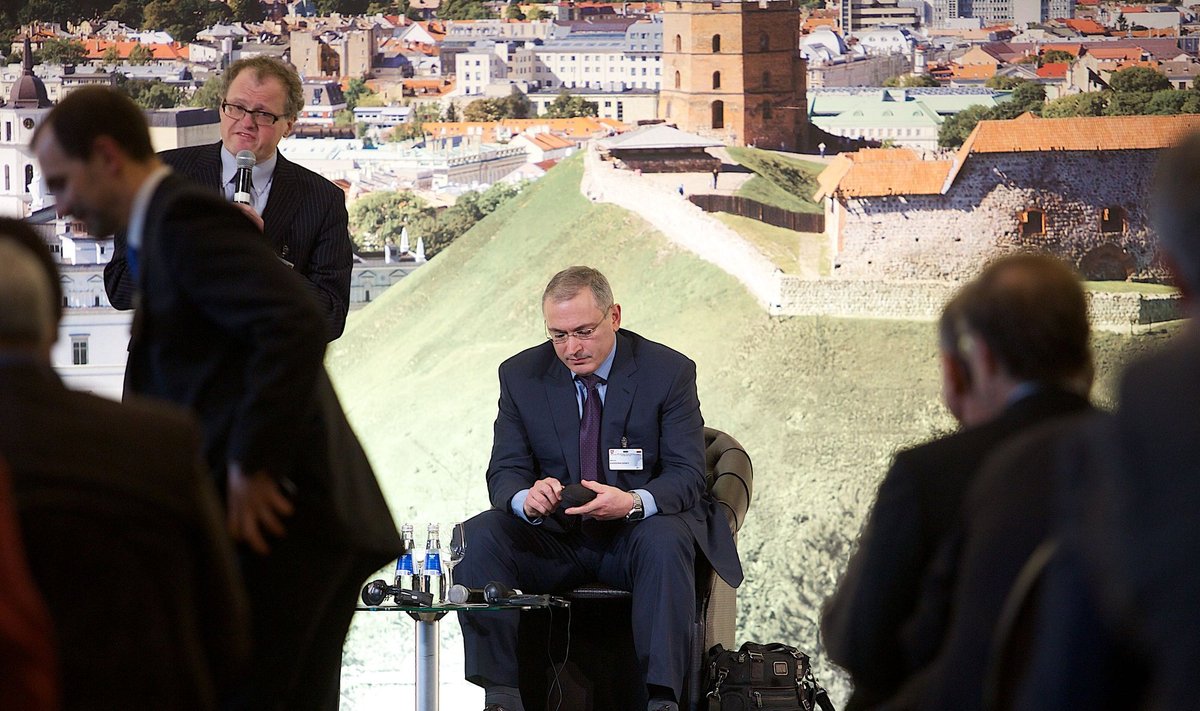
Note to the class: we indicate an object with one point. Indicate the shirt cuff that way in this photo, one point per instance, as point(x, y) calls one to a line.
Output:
point(648, 506)
point(518, 507)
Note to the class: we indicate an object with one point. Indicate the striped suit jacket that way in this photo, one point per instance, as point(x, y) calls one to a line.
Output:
point(305, 222)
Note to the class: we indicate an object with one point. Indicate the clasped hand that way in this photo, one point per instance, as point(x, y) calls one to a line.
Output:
point(610, 503)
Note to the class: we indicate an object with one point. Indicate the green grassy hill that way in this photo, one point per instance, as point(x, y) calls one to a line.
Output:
point(780, 180)
point(819, 403)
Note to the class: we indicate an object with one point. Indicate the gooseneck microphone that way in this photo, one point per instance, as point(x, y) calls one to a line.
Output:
point(242, 179)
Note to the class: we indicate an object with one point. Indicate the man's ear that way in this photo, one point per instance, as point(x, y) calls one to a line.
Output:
point(110, 153)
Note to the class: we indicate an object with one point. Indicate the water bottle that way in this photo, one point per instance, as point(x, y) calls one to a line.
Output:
point(432, 572)
point(404, 564)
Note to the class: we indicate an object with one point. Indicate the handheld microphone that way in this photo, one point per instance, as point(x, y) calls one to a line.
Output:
point(495, 593)
point(463, 595)
point(242, 179)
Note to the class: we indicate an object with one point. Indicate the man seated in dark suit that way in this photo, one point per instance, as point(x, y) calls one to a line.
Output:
point(1014, 353)
point(121, 525)
point(226, 330)
point(617, 414)
point(303, 215)
point(1116, 624)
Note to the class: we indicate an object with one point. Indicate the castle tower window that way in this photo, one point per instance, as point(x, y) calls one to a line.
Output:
point(718, 114)
point(1112, 219)
point(716, 43)
point(678, 44)
point(766, 79)
point(764, 42)
point(677, 80)
point(1033, 222)
point(716, 80)
point(766, 109)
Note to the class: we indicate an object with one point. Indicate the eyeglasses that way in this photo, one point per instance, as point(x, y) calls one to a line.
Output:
point(238, 112)
point(580, 334)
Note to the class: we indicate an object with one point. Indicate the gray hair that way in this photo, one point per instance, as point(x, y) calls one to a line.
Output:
point(570, 281)
point(27, 309)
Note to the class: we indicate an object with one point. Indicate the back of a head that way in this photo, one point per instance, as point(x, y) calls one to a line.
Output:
point(1176, 211)
point(93, 111)
point(27, 309)
point(1031, 311)
point(20, 233)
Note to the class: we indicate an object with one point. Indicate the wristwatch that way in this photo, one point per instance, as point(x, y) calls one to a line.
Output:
point(638, 512)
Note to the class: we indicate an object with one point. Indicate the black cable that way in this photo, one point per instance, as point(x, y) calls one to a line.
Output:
point(559, 668)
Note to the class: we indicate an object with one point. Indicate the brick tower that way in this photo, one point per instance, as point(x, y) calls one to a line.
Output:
point(732, 71)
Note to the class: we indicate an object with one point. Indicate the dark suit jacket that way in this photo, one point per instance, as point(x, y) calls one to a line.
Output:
point(916, 509)
point(225, 329)
point(651, 402)
point(305, 222)
point(1010, 510)
point(126, 542)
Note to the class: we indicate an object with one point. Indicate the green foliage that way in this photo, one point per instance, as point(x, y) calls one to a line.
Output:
point(355, 92)
point(567, 106)
point(515, 105)
point(208, 96)
point(1002, 82)
point(1127, 103)
point(956, 128)
point(450, 114)
point(911, 80)
point(1087, 104)
point(60, 51)
point(377, 218)
point(1138, 79)
point(415, 128)
point(1057, 55)
point(543, 14)
point(112, 55)
point(344, 7)
point(514, 11)
point(141, 54)
point(150, 93)
point(127, 11)
point(182, 19)
point(1173, 101)
point(464, 10)
point(247, 10)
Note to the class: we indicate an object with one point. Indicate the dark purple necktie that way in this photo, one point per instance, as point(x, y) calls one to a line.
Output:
point(589, 431)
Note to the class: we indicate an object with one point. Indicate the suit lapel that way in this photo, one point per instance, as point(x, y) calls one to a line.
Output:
point(282, 204)
point(208, 168)
point(564, 412)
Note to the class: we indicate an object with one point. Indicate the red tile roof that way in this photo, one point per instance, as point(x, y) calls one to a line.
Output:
point(1053, 70)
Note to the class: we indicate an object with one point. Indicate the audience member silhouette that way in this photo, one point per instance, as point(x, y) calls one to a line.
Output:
point(121, 526)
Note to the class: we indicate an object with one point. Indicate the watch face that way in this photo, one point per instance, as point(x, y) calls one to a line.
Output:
point(27, 123)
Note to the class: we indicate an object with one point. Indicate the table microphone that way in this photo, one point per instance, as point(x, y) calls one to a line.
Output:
point(495, 593)
point(242, 179)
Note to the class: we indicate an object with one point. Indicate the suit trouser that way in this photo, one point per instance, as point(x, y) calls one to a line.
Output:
point(302, 597)
point(655, 559)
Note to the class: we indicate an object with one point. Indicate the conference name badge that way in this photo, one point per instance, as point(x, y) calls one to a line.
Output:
point(625, 460)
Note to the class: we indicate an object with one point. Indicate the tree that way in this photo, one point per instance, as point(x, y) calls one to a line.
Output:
point(355, 92)
point(150, 93)
point(182, 19)
point(379, 217)
point(59, 51)
point(1087, 104)
point(112, 55)
point(1053, 56)
point(567, 106)
point(1173, 101)
point(128, 12)
point(955, 129)
point(141, 54)
point(415, 127)
point(515, 105)
point(450, 114)
point(911, 80)
point(464, 10)
point(1140, 79)
point(1002, 82)
point(514, 11)
point(247, 10)
point(1127, 103)
point(209, 94)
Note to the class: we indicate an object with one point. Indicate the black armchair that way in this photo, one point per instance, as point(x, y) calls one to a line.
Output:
point(601, 672)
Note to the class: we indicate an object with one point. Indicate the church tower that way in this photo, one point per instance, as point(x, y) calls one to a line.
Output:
point(732, 71)
point(19, 116)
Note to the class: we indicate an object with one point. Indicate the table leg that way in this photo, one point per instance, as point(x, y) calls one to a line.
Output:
point(427, 663)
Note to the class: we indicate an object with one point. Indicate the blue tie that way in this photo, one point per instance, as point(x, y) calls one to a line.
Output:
point(131, 258)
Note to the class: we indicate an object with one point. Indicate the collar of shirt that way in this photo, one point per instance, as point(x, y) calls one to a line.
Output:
point(141, 204)
point(1023, 390)
point(603, 371)
point(262, 174)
